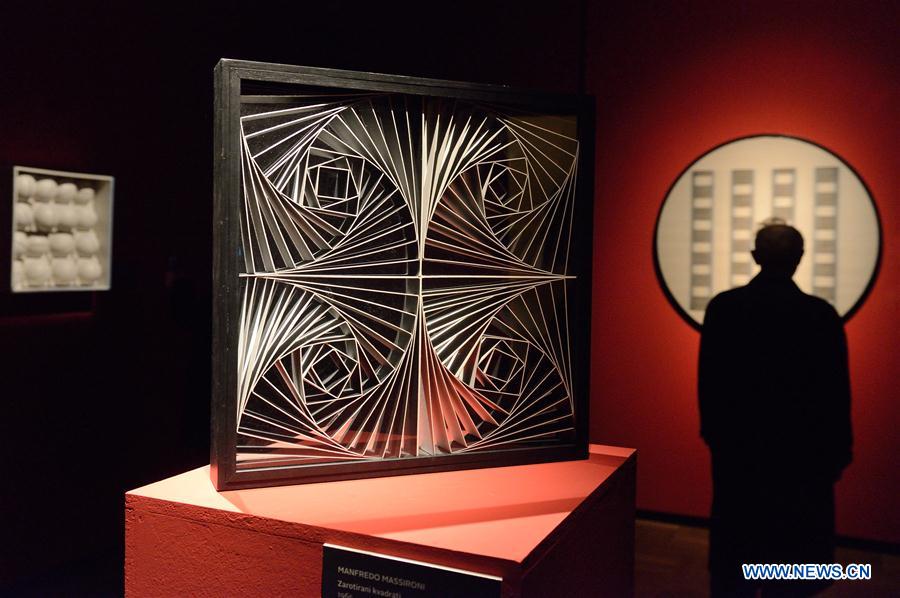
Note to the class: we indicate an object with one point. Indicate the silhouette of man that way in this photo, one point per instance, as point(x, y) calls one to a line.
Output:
point(775, 412)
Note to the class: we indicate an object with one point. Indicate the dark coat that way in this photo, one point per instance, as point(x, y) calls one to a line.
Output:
point(775, 411)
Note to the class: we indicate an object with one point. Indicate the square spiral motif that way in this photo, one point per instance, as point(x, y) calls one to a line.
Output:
point(405, 278)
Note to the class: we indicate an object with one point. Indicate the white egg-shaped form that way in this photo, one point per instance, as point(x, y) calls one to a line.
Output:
point(23, 215)
point(66, 217)
point(45, 216)
point(86, 243)
point(18, 273)
point(19, 241)
point(63, 270)
point(61, 244)
point(86, 216)
point(45, 190)
point(37, 271)
point(25, 185)
point(36, 245)
point(89, 270)
point(66, 193)
point(84, 195)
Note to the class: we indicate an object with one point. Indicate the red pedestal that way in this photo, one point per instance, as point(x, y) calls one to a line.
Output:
point(551, 529)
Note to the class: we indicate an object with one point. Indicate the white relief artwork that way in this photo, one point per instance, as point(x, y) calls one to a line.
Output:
point(62, 231)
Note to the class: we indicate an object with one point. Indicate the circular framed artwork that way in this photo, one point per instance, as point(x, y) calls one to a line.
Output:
point(708, 221)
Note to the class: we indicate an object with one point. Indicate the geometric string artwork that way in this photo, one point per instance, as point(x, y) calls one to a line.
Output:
point(401, 304)
point(405, 279)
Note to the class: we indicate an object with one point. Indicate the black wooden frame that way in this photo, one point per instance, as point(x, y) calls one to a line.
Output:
point(229, 76)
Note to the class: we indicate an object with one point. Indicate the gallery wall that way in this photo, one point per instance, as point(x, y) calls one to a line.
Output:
point(113, 393)
point(672, 81)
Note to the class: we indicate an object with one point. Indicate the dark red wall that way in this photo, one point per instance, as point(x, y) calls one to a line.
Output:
point(672, 81)
point(126, 89)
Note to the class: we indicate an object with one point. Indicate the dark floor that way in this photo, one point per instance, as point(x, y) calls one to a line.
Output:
point(670, 562)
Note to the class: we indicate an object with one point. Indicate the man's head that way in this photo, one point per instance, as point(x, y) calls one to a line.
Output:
point(779, 247)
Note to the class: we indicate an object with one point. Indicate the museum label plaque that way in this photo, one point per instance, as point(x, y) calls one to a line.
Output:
point(397, 265)
point(350, 573)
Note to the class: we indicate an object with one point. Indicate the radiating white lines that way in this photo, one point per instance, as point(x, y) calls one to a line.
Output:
point(406, 279)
